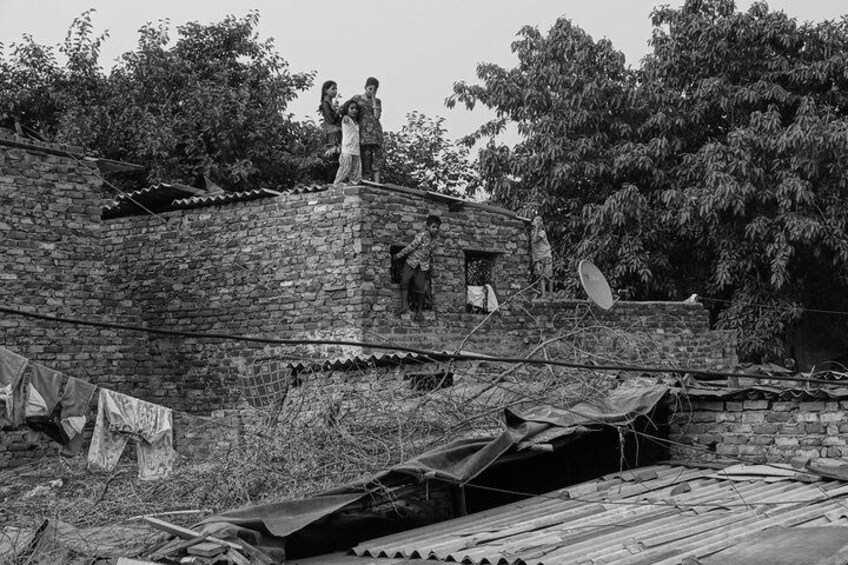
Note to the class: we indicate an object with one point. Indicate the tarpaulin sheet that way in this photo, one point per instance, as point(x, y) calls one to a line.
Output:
point(458, 462)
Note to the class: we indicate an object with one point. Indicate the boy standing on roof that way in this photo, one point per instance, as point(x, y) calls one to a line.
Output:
point(543, 263)
point(418, 266)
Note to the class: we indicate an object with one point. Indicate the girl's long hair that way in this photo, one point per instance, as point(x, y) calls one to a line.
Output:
point(347, 105)
point(327, 84)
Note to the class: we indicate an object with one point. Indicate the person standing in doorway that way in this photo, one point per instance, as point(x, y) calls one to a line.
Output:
point(370, 130)
point(418, 266)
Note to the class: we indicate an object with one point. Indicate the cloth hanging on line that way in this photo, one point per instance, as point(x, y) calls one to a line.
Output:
point(121, 417)
point(12, 379)
point(491, 298)
point(482, 297)
point(42, 393)
point(74, 412)
point(66, 415)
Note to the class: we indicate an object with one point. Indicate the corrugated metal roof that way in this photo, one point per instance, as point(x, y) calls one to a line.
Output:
point(379, 359)
point(819, 392)
point(221, 198)
point(155, 198)
point(655, 515)
point(164, 197)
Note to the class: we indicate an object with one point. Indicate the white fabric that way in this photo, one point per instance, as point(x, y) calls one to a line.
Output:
point(482, 297)
point(476, 296)
point(492, 299)
point(350, 136)
point(73, 425)
point(36, 405)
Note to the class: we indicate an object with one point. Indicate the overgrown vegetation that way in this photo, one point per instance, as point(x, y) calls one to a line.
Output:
point(718, 166)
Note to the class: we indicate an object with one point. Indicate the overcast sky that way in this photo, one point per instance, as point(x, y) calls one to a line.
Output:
point(416, 49)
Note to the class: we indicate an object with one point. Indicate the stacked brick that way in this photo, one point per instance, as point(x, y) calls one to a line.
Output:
point(311, 265)
point(51, 262)
point(761, 429)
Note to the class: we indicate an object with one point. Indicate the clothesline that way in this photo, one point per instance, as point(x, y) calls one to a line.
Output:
point(47, 401)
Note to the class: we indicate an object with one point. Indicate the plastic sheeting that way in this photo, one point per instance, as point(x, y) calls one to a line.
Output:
point(457, 463)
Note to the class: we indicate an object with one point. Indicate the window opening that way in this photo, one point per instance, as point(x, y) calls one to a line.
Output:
point(479, 271)
point(397, 268)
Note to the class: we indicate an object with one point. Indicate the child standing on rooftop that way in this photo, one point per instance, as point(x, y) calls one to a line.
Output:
point(331, 120)
point(371, 108)
point(418, 266)
point(540, 250)
point(350, 166)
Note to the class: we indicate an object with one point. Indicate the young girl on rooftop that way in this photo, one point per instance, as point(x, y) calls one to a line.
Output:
point(330, 118)
point(350, 165)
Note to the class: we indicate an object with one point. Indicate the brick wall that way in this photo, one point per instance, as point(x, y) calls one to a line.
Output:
point(310, 265)
point(51, 262)
point(760, 429)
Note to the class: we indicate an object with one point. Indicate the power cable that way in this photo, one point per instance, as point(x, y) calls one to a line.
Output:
point(441, 356)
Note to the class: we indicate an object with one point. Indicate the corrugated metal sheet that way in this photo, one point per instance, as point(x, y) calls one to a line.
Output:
point(826, 392)
point(221, 198)
point(379, 359)
point(164, 197)
point(647, 517)
point(155, 198)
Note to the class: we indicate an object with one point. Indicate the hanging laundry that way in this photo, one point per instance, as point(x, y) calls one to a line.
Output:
point(476, 296)
point(73, 413)
point(12, 380)
point(121, 417)
point(491, 298)
point(42, 393)
point(61, 418)
point(482, 297)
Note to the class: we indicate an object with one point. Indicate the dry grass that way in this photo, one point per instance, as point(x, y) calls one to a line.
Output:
point(318, 438)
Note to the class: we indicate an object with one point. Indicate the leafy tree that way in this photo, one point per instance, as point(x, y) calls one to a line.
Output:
point(719, 166)
point(420, 156)
point(213, 102)
point(44, 97)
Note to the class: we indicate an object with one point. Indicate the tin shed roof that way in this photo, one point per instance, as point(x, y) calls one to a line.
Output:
point(656, 515)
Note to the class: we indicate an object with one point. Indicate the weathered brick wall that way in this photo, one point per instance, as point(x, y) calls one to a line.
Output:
point(309, 265)
point(274, 268)
point(317, 264)
point(51, 262)
point(665, 334)
point(759, 430)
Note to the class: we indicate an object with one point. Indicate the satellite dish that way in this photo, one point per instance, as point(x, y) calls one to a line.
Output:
point(595, 284)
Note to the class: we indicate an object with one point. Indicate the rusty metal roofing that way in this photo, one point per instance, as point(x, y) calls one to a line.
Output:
point(379, 359)
point(155, 198)
point(165, 197)
point(818, 392)
point(656, 515)
point(221, 198)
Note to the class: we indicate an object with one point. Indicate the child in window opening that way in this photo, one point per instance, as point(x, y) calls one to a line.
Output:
point(370, 109)
point(418, 266)
point(331, 119)
point(350, 165)
point(540, 249)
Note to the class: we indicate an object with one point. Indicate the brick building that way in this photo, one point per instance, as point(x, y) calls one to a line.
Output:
point(312, 263)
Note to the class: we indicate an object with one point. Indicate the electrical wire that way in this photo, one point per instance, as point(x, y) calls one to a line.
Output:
point(442, 356)
point(775, 307)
